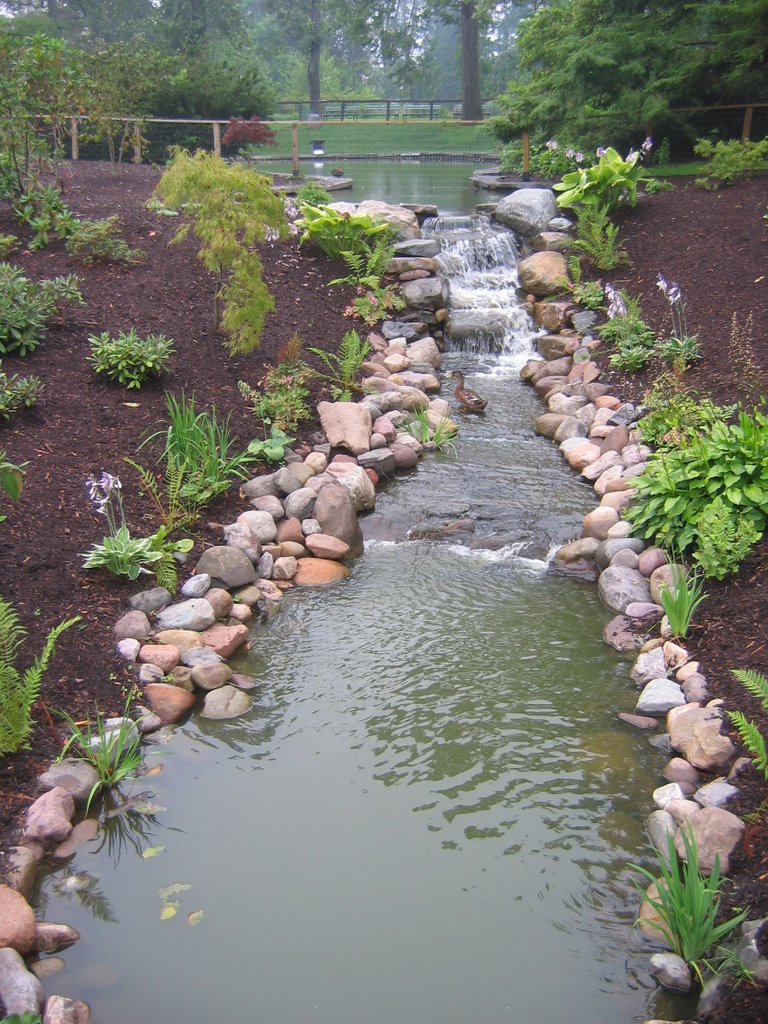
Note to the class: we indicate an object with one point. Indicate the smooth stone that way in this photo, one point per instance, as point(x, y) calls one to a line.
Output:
point(128, 649)
point(47, 967)
point(182, 639)
point(151, 600)
point(715, 793)
point(225, 702)
point(315, 572)
point(620, 633)
point(211, 677)
point(638, 721)
point(681, 810)
point(165, 656)
point(49, 818)
point(322, 545)
point(651, 560)
point(672, 972)
point(169, 703)
point(199, 656)
point(300, 503)
point(61, 1010)
point(661, 826)
point(658, 697)
point(644, 610)
point(663, 794)
point(695, 688)
point(335, 512)
point(608, 549)
point(230, 566)
point(649, 665)
point(197, 585)
point(528, 211)
point(50, 936)
point(289, 531)
point(20, 867)
point(20, 991)
point(150, 674)
point(619, 587)
point(225, 640)
point(285, 568)
point(584, 547)
point(17, 921)
point(680, 770)
point(695, 732)
point(598, 522)
point(716, 832)
point(195, 614)
point(292, 549)
point(133, 625)
point(72, 774)
point(648, 916)
point(220, 600)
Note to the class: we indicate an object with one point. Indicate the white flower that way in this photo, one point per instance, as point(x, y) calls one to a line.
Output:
point(600, 151)
point(616, 304)
point(553, 144)
point(569, 153)
point(579, 158)
point(647, 145)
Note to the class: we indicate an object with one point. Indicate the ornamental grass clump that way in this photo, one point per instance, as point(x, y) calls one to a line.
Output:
point(681, 599)
point(688, 904)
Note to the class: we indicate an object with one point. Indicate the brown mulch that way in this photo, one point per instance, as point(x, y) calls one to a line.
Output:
point(714, 244)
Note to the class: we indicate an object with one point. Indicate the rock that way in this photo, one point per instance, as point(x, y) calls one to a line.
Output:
point(598, 522)
point(211, 677)
point(20, 867)
point(679, 770)
point(225, 702)
point(661, 826)
point(638, 721)
point(165, 656)
point(195, 614)
point(429, 294)
point(20, 991)
point(347, 425)
point(619, 587)
point(695, 688)
point(60, 1010)
point(681, 810)
point(672, 972)
point(716, 832)
point(182, 639)
point(658, 697)
point(426, 351)
point(543, 273)
point(17, 921)
point(49, 819)
point(664, 576)
point(715, 793)
point(151, 600)
point(382, 461)
point(83, 832)
point(695, 732)
point(621, 634)
point(608, 460)
point(585, 547)
point(418, 247)
point(197, 585)
point(128, 649)
point(316, 572)
point(47, 967)
point(290, 531)
point(528, 211)
point(552, 316)
point(245, 535)
point(651, 559)
point(649, 665)
point(50, 936)
point(300, 503)
point(322, 545)
point(403, 221)
point(133, 625)
point(609, 548)
point(406, 455)
point(358, 485)
point(72, 774)
point(220, 600)
point(228, 566)
point(663, 795)
point(644, 610)
point(285, 568)
point(648, 919)
point(225, 640)
point(169, 703)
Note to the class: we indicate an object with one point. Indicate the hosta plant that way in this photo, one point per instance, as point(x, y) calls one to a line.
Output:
point(336, 233)
point(609, 183)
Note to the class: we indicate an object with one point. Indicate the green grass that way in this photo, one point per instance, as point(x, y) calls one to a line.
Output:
point(679, 170)
point(381, 138)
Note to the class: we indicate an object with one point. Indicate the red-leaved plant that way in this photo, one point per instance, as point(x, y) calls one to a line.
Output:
point(253, 131)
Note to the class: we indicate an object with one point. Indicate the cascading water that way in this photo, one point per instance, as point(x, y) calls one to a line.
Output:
point(480, 261)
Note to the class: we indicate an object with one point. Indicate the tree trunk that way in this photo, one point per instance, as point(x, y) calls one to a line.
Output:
point(471, 101)
point(313, 61)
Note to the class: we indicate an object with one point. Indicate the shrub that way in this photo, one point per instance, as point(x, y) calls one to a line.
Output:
point(597, 238)
point(96, 241)
point(610, 183)
point(18, 693)
point(17, 393)
point(25, 306)
point(312, 194)
point(253, 132)
point(548, 159)
point(727, 161)
point(724, 539)
point(336, 233)
point(129, 359)
point(43, 210)
point(673, 416)
point(7, 244)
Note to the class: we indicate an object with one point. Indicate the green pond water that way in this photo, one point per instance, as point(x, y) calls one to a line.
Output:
point(430, 812)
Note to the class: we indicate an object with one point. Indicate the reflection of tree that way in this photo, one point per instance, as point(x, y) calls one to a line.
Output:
point(129, 824)
point(84, 887)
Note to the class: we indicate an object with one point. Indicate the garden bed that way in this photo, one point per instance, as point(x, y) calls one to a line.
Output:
point(713, 244)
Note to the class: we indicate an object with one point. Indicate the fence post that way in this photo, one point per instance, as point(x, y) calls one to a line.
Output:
point(526, 157)
point(217, 138)
point(295, 148)
point(137, 142)
point(343, 105)
point(746, 129)
point(389, 103)
point(73, 122)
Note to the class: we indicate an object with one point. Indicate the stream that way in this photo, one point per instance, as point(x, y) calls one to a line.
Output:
point(430, 813)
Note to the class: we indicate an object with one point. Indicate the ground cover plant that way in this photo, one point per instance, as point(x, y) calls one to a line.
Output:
point(81, 424)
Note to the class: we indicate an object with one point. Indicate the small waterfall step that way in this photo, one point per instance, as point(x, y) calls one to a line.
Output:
point(480, 262)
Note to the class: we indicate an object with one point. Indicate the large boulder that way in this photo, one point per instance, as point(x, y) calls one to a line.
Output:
point(427, 293)
point(404, 222)
point(228, 566)
point(346, 425)
point(17, 921)
point(619, 586)
point(527, 211)
point(335, 512)
point(544, 273)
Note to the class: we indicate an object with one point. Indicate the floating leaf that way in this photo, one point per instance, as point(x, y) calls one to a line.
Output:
point(168, 911)
point(196, 917)
point(152, 851)
point(144, 808)
point(167, 892)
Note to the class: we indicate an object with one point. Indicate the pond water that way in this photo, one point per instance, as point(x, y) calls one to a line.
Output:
point(431, 810)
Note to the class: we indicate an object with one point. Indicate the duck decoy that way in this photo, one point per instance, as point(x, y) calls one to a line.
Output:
point(469, 400)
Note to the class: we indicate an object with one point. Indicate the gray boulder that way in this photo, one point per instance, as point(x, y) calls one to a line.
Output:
point(620, 586)
point(527, 211)
point(228, 566)
point(20, 991)
point(335, 512)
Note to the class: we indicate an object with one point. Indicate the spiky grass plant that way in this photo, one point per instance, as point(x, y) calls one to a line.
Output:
point(682, 599)
point(18, 692)
point(749, 733)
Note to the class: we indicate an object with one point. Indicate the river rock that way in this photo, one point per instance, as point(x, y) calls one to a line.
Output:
point(681, 810)
point(660, 826)
point(316, 572)
point(638, 721)
point(197, 585)
point(382, 461)
point(169, 703)
point(195, 614)
point(49, 818)
point(651, 559)
point(695, 732)
point(211, 677)
point(83, 832)
point(404, 222)
point(165, 656)
point(20, 991)
point(584, 547)
point(695, 688)
point(50, 936)
point(151, 600)
point(665, 576)
point(322, 545)
point(621, 634)
point(60, 1010)
point(527, 211)
point(716, 832)
point(426, 351)
point(220, 600)
point(347, 425)
point(649, 665)
point(570, 426)
point(608, 548)
point(609, 460)
point(225, 640)
point(418, 247)
point(681, 771)
point(543, 273)
point(665, 794)
point(644, 610)
point(17, 921)
point(246, 535)
point(671, 972)
point(72, 774)
point(20, 867)
point(335, 512)
point(358, 485)
point(658, 697)
point(134, 625)
point(427, 295)
point(271, 504)
point(619, 587)
point(715, 793)
point(648, 919)
point(225, 702)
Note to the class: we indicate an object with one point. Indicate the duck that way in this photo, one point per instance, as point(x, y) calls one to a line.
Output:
point(469, 400)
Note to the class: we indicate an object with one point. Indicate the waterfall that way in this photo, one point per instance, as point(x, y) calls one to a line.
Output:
point(480, 263)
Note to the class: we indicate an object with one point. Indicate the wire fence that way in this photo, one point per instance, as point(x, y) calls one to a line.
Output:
point(376, 110)
point(401, 137)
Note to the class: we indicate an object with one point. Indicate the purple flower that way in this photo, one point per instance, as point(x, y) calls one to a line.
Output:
point(553, 144)
point(647, 145)
point(600, 151)
point(579, 158)
point(569, 153)
point(616, 304)
point(671, 292)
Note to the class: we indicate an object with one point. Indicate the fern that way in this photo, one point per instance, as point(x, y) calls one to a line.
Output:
point(174, 509)
point(167, 573)
point(18, 693)
point(753, 740)
point(753, 681)
point(344, 366)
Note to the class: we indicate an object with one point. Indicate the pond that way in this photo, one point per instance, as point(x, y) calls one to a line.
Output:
point(431, 810)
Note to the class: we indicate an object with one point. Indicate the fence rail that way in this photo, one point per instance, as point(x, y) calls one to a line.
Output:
point(404, 136)
point(376, 110)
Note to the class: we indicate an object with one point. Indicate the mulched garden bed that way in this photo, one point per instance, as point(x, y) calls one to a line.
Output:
point(714, 244)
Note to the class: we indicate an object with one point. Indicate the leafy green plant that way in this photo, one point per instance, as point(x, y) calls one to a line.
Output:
point(201, 445)
point(129, 359)
point(115, 753)
point(165, 493)
point(42, 208)
point(688, 903)
point(165, 567)
point(273, 448)
point(550, 159)
point(336, 233)
point(626, 329)
point(440, 435)
point(724, 539)
point(681, 348)
point(674, 416)
point(97, 241)
point(727, 161)
point(749, 733)
point(375, 304)
point(597, 237)
point(230, 209)
point(18, 692)
point(369, 264)
point(120, 553)
point(25, 306)
point(681, 599)
point(344, 366)
point(280, 398)
point(589, 294)
point(610, 183)
point(7, 244)
point(17, 393)
point(313, 194)
point(28, 1017)
point(729, 461)
point(11, 478)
